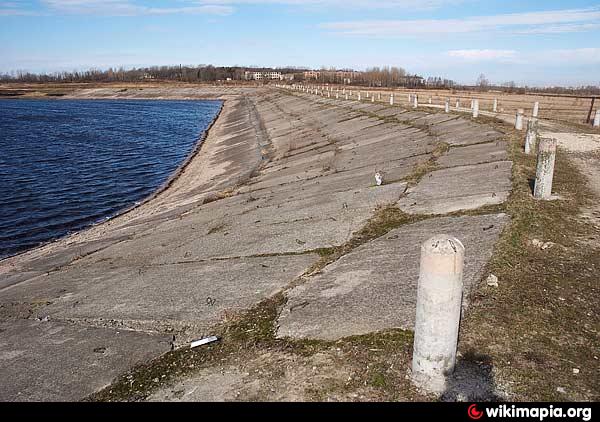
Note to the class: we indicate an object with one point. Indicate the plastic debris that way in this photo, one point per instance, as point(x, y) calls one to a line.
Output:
point(492, 280)
point(378, 179)
point(204, 341)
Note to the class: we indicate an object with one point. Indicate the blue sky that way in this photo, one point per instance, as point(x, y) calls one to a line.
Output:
point(530, 42)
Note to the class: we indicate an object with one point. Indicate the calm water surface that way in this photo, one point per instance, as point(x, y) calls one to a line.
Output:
point(67, 164)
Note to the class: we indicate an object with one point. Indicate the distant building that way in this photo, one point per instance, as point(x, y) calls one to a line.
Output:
point(260, 76)
point(339, 76)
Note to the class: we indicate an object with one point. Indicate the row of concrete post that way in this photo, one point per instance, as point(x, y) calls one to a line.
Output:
point(413, 100)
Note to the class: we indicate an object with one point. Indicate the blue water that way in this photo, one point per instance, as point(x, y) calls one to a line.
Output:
point(65, 165)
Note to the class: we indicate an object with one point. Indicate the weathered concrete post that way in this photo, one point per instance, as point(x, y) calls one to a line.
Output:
point(457, 103)
point(392, 99)
point(439, 302)
point(545, 168)
point(531, 136)
point(372, 98)
point(415, 101)
point(430, 100)
point(475, 109)
point(471, 104)
point(519, 119)
point(337, 95)
point(597, 119)
point(358, 95)
point(447, 106)
point(495, 107)
point(346, 96)
point(379, 96)
point(536, 109)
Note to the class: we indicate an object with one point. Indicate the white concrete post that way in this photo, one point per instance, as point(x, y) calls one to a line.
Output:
point(597, 119)
point(495, 107)
point(415, 101)
point(531, 136)
point(328, 94)
point(447, 106)
point(344, 91)
point(475, 109)
point(519, 119)
point(409, 98)
point(367, 94)
point(346, 95)
point(430, 100)
point(337, 95)
point(379, 96)
point(536, 109)
point(545, 168)
point(471, 104)
point(392, 99)
point(457, 103)
point(372, 98)
point(439, 302)
point(358, 95)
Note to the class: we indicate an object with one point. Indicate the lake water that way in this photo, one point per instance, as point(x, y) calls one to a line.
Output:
point(67, 164)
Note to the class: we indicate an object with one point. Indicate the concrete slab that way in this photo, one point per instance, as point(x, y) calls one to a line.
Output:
point(474, 154)
point(159, 298)
point(459, 188)
point(51, 361)
point(374, 287)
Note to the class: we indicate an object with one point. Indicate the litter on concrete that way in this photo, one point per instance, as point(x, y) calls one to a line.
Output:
point(204, 341)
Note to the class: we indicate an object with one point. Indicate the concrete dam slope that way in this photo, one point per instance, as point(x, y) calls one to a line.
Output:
point(280, 178)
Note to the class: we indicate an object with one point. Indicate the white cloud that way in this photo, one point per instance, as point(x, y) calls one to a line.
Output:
point(130, 8)
point(569, 20)
point(552, 57)
point(483, 55)
point(403, 4)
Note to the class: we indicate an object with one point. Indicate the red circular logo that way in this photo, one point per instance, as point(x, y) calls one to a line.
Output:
point(474, 413)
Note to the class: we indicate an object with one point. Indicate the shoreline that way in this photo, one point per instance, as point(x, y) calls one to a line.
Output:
point(160, 189)
point(54, 254)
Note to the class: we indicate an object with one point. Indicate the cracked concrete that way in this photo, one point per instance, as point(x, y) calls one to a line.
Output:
point(279, 177)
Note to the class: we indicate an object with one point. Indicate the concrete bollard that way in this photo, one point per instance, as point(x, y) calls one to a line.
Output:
point(475, 109)
point(391, 99)
point(447, 106)
point(415, 101)
point(430, 100)
point(372, 98)
point(495, 106)
point(536, 109)
point(346, 96)
point(545, 168)
point(531, 136)
point(337, 95)
point(358, 95)
point(519, 119)
point(597, 119)
point(457, 104)
point(439, 302)
point(379, 96)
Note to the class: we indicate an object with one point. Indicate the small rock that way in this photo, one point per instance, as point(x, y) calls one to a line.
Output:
point(492, 281)
point(561, 390)
point(537, 243)
point(575, 371)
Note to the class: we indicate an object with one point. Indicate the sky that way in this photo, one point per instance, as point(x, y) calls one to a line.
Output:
point(541, 43)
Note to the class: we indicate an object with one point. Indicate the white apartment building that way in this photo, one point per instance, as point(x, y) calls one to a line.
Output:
point(258, 76)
